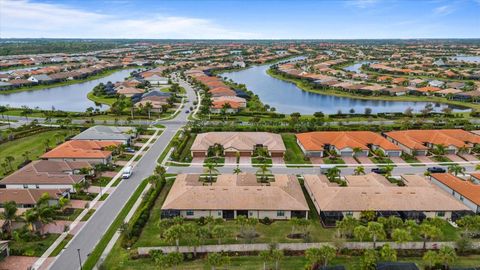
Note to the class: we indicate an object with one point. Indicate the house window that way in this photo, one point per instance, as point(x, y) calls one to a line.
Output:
point(461, 198)
point(189, 212)
point(349, 214)
point(440, 214)
point(25, 186)
point(37, 186)
point(250, 213)
point(280, 213)
point(219, 213)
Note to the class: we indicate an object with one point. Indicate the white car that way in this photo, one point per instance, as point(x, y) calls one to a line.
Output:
point(127, 172)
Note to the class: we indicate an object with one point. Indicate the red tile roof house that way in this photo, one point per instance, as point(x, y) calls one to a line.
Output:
point(28, 198)
point(90, 151)
point(314, 144)
point(43, 174)
point(419, 142)
point(475, 178)
point(465, 191)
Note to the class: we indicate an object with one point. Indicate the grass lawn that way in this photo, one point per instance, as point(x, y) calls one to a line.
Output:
point(34, 248)
point(103, 100)
point(101, 181)
point(256, 162)
point(88, 214)
point(441, 159)
point(62, 245)
point(378, 160)
point(35, 144)
point(411, 159)
point(69, 214)
point(328, 160)
point(294, 154)
point(218, 161)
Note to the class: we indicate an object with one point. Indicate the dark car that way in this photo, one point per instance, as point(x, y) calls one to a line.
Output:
point(379, 170)
point(436, 170)
point(129, 150)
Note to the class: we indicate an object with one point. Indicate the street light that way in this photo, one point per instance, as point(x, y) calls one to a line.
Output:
point(79, 259)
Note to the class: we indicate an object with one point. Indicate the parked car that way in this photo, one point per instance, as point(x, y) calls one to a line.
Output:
point(379, 170)
point(129, 150)
point(436, 170)
point(187, 111)
point(127, 172)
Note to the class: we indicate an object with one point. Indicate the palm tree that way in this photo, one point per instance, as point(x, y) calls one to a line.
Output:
point(359, 170)
point(401, 236)
point(456, 169)
point(219, 232)
point(160, 171)
point(377, 232)
point(237, 170)
point(388, 170)
point(356, 150)
point(276, 255)
point(45, 215)
point(447, 256)
point(431, 258)
point(428, 231)
point(174, 234)
point(387, 254)
point(333, 173)
point(347, 225)
point(210, 168)
point(9, 214)
point(215, 260)
point(439, 149)
point(31, 218)
point(265, 255)
point(263, 170)
point(361, 233)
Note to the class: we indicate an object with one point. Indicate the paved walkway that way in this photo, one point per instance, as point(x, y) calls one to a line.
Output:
point(78, 204)
point(57, 227)
point(424, 159)
point(317, 160)
point(364, 160)
point(398, 160)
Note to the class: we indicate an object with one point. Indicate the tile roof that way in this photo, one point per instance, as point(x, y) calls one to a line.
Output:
point(316, 141)
point(416, 139)
point(467, 189)
point(235, 192)
point(27, 196)
point(81, 149)
point(375, 193)
point(240, 141)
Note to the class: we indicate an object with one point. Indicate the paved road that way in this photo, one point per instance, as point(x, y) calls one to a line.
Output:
point(98, 224)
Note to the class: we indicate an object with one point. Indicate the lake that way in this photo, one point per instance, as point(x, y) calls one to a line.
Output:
point(467, 58)
point(286, 97)
point(356, 67)
point(71, 98)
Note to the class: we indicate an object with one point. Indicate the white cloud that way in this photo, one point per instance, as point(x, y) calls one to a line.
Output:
point(443, 10)
point(24, 18)
point(362, 3)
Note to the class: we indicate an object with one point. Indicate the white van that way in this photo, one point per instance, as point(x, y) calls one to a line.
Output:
point(127, 172)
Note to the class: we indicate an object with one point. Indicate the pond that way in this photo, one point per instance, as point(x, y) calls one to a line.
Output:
point(467, 58)
point(356, 66)
point(286, 97)
point(71, 98)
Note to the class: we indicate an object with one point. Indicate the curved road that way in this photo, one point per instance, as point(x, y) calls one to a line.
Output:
point(91, 233)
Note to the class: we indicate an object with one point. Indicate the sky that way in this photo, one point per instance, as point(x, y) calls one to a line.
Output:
point(247, 19)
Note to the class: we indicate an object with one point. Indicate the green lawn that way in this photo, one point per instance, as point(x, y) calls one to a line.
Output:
point(218, 161)
point(34, 248)
point(337, 160)
point(256, 162)
point(103, 100)
point(294, 154)
point(35, 144)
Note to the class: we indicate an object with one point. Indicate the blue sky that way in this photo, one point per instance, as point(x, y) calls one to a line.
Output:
point(248, 19)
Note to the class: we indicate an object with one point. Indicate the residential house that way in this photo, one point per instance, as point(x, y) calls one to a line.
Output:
point(81, 150)
point(108, 133)
point(156, 80)
point(464, 191)
point(40, 78)
point(345, 143)
point(418, 199)
point(419, 142)
point(28, 198)
point(243, 143)
point(234, 195)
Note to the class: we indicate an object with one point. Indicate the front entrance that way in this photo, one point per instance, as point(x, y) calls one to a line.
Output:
point(228, 214)
point(242, 213)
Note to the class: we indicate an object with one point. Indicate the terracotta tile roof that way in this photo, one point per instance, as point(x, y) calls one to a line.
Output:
point(428, 89)
point(316, 141)
point(81, 149)
point(415, 139)
point(28, 196)
point(375, 193)
point(236, 192)
point(467, 189)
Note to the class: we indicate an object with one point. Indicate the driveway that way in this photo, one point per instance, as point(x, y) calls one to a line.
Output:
point(198, 160)
point(455, 158)
point(351, 160)
point(230, 160)
point(246, 160)
point(425, 159)
point(317, 160)
point(469, 157)
point(398, 160)
point(278, 161)
point(364, 160)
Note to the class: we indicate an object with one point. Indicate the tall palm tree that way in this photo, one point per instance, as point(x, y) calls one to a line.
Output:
point(377, 232)
point(9, 214)
point(359, 170)
point(160, 171)
point(237, 170)
point(263, 170)
point(456, 169)
point(210, 168)
point(333, 173)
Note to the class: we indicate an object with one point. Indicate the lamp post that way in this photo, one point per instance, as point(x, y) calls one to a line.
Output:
point(79, 259)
